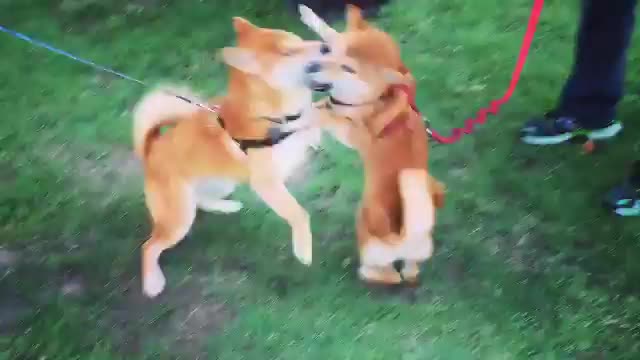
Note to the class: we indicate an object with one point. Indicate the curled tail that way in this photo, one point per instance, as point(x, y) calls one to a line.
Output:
point(158, 108)
point(418, 203)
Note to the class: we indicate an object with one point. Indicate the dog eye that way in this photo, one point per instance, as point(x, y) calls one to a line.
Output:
point(324, 49)
point(348, 69)
point(288, 51)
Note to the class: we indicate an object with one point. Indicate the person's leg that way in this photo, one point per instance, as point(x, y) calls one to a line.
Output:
point(588, 101)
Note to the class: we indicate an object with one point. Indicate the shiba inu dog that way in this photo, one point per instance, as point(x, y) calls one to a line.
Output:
point(369, 109)
point(261, 131)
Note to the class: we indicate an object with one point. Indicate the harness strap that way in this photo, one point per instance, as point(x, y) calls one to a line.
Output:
point(275, 136)
point(287, 118)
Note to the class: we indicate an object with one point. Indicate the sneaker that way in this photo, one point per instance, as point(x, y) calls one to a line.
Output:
point(552, 130)
point(624, 200)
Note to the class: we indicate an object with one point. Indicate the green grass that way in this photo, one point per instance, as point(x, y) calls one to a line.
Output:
point(527, 265)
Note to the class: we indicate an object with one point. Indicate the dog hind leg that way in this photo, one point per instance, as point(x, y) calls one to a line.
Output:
point(173, 210)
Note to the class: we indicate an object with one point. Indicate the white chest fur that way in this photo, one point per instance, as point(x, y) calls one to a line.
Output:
point(292, 152)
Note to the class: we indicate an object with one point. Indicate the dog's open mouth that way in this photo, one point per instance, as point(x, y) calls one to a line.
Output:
point(320, 87)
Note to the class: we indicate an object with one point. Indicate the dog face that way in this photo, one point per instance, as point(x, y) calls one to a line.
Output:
point(364, 61)
point(281, 59)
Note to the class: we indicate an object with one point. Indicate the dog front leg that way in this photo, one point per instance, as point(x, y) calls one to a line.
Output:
point(274, 193)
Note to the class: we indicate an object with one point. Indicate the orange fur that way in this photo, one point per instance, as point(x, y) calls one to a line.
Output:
point(196, 154)
point(397, 211)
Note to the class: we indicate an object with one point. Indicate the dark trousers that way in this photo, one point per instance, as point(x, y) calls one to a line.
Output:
point(595, 85)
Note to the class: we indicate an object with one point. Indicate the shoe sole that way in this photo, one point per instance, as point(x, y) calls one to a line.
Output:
point(622, 208)
point(624, 212)
point(600, 134)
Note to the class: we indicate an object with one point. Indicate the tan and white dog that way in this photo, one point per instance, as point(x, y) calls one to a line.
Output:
point(369, 110)
point(261, 133)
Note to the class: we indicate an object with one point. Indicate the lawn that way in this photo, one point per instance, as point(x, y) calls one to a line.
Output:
point(527, 265)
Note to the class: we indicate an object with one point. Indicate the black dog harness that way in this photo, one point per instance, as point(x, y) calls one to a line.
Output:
point(275, 135)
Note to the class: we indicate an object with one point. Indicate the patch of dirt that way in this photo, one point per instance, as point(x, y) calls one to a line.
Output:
point(89, 16)
point(397, 293)
point(7, 175)
point(194, 323)
point(591, 355)
point(236, 265)
point(13, 309)
point(146, 3)
point(8, 259)
point(71, 282)
point(280, 285)
point(107, 166)
point(459, 172)
point(455, 270)
point(183, 319)
point(73, 285)
point(105, 173)
point(527, 248)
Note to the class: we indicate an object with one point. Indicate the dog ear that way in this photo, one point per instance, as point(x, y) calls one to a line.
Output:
point(242, 26)
point(355, 21)
point(393, 77)
point(241, 59)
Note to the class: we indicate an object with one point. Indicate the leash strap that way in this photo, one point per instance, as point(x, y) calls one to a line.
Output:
point(69, 55)
point(92, 64)
point(494, 105)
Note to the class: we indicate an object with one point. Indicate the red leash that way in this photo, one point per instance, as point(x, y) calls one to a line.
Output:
point(494, 105)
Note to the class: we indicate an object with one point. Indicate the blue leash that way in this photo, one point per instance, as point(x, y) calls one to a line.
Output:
point(53, 49)
point(67, 54)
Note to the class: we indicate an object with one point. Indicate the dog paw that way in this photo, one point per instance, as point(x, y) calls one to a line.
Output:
point(153, 283)
point(302, 248)
point(221, 206)
point(303, 254)
point(410, 272)
point(379, 275)
point(307, 16)
point(229, 206)
point(314, 22)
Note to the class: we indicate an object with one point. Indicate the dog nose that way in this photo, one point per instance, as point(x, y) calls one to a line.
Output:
point(324, 49)
point(313, 68)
